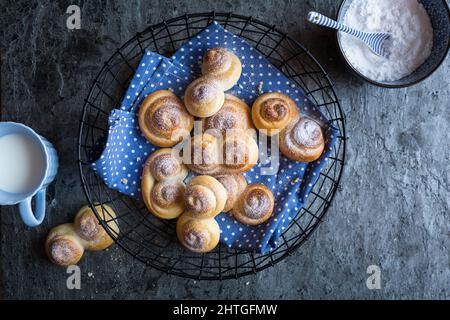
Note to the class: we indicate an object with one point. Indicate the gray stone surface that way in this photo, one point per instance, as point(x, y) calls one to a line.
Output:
point(393, 209)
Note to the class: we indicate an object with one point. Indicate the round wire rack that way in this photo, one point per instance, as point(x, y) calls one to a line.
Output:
point(153, 241)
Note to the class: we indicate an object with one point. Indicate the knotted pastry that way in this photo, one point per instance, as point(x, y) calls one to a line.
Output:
point(234, 114)
point(273, 112)
point(221, 70)
point(255, 205)
point(163, 119)
point(165, 164)
point(240, 153)
point(302, 140)
point(162, 183)
point(167, 199)
point(198, 235)
point(205, 197)
point(65, 244)
point(87, 227)
point(204, 97)
point(203, 156)
point(223, 65)
point(234, 184)
point(215, 155)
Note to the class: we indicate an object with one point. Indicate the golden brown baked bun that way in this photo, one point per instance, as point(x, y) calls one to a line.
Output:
point(234, 114)
point(204, 97)
point(240, 153)
point(88, 228)
point(162, 184)
point(203, 155)
point(167, 199)
point(273, 112)
point(198, 235)
point(216, 155)
point(255, 205)
point(163, 119)
point(205, 197)
point(234, 184)
point(165, 164)
point(65, 244)
point(223, 65)
point(302, 140)
point(63, 247)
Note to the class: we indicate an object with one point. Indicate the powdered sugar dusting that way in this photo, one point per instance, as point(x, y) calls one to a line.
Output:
point(198, 200)
point(167, 194)
point(196, 238)
point(90, 228)
point(223, 120)
point(164, 166)
point(216, 59)
point(166, 118)
point(257, 203)
point(307, 133)
point(63, 251)
point(411, 34)
point(204, 89)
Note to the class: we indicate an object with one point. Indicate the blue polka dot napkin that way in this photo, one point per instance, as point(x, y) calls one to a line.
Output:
point(121, 162)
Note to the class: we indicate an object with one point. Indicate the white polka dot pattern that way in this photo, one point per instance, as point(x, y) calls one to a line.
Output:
point(121, 161)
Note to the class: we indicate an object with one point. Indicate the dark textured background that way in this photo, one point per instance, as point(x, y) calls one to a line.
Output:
point(393, 209)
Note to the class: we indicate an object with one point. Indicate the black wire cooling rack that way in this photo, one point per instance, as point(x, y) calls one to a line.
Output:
point(153, 241)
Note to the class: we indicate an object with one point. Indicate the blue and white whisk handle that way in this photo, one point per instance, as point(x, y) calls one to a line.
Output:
point(321, 20)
